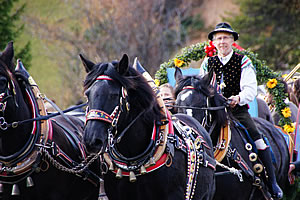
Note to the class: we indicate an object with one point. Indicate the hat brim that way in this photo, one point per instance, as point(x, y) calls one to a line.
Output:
point(235, 34)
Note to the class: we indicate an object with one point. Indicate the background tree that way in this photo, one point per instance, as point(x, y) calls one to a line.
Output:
point(10, 30)
point(104, 30)
point(271, 29)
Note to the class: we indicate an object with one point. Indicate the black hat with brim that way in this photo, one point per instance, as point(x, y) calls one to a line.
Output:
point(223, 27)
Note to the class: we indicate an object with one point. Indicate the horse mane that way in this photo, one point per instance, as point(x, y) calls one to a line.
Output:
point(140, 94)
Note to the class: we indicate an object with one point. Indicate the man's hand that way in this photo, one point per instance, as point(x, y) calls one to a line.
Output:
point(234, 100)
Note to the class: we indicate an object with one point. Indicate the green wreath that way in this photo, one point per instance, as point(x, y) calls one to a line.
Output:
point(265, 75)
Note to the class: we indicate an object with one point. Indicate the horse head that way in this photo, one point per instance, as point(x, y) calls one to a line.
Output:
point(194, 96)
point(117, 96)
point(13, 107)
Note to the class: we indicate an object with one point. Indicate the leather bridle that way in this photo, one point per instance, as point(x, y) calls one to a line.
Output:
point(10, 92)
point(113, 118)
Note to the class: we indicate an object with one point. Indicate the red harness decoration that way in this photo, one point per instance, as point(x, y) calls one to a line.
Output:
point(188, 88)
point(159, 163)
point(98, 115)
point(104, 77)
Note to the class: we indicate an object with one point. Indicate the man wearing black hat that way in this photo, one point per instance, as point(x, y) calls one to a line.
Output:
point(237, 75)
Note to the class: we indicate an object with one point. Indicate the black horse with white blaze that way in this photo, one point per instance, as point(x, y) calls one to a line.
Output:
point(39, 159)
point(140, 143)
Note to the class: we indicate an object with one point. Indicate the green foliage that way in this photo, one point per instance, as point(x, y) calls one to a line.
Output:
point(272, 28)
point(10, 31)
point(191, 24)
point(192, 53)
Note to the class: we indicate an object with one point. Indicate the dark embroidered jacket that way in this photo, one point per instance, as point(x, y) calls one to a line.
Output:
point(230, 73)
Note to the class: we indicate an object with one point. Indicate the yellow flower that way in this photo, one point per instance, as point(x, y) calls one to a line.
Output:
point(289, 128)
point(271, 83)
point(284, 75)
point(286, 112)
point(157, 82)
point(178, 63)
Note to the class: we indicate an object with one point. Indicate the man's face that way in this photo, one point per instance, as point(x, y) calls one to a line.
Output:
point(223, 42)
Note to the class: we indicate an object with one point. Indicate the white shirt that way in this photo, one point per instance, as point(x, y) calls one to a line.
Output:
point(224, 60)
point(248, 82)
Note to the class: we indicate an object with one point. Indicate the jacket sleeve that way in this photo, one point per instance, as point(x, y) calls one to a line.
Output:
point(204, 67)
point(248, 83)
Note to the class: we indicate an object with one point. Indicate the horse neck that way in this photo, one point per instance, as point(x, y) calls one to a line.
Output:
point(137, 138)
point(16, 110)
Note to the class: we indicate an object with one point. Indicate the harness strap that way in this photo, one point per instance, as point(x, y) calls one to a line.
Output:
point(72, 138)
point(98, 115)
point(196, 139)
point(104, 77)
point(61, 113)
point(188, 88)
point(236, 157)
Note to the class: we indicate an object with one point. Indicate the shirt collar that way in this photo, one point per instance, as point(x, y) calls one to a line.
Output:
point(225, 59)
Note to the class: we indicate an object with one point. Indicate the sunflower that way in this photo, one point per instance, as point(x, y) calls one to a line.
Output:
point(178, 63)
point(289, 128)
point(286, 112)
point(271, 83)
point(157, 82)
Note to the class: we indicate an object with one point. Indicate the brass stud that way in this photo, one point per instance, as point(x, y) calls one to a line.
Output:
point(252, 157)
point(257, 168)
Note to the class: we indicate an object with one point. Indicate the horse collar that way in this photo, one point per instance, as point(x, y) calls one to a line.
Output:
point(23, 161)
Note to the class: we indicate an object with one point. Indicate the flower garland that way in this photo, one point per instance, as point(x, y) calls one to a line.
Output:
point(265, 75)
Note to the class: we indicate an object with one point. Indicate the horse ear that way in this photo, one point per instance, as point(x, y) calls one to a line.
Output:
point(123, 65)
point(88, 65)
point(207, 78)
point(8, 55)
point(178, 74)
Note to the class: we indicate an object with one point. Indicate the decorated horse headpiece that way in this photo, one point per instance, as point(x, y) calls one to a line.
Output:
point(112, 119)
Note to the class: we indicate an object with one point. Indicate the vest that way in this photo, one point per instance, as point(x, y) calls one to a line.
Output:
point(231, 73)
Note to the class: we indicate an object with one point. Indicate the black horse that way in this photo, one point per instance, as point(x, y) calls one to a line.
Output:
point(196, 97)
point(38, 159)
point(125, 121)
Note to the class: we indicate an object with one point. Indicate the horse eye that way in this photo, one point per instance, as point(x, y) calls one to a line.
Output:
point(3, 82)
